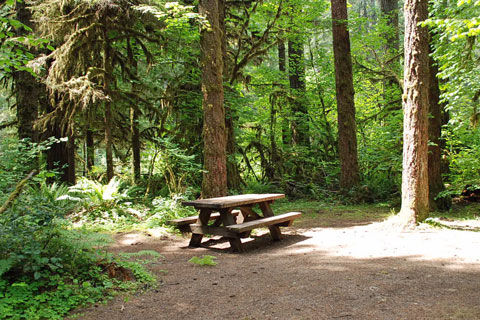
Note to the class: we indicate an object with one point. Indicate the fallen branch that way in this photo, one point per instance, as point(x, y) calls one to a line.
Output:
point(18, 189)
point(7, 124)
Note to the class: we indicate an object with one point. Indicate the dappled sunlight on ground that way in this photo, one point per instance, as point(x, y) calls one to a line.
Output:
point(374, 241)
point(317, 272)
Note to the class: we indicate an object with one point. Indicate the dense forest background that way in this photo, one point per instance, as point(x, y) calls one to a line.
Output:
point(114, 110)
point(118, 86)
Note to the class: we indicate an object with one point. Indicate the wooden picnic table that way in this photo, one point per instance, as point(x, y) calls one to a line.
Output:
point(235, 224)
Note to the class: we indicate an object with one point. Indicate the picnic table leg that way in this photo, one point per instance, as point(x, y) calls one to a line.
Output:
point(229, 219)
point(275, 232)
point(203, 219)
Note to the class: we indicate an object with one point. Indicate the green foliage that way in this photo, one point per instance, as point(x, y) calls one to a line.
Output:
point(47, 269)
point(100, 202)
point(136, 262)
point(178, 169)
point(205, 260)
point(15, 51)
point(164, 209)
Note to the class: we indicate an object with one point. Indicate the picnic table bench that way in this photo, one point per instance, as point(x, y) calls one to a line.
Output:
point(234, 224)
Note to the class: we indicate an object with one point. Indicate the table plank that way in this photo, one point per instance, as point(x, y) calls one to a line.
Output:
point(233, 201)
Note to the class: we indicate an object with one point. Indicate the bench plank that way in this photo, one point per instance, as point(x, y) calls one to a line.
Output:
point(193, 219)
point(264, 222)
point(218, 231)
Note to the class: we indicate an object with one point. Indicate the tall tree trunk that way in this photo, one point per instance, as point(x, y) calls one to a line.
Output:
point(415, 124)
point(69, 172)
point(436, 144)
point(347, 128)
point(135, 136)
point(282, 67)
point(90, 144)
point(296, 65)
point(108, 140)
point(274, 156)
point(234, 180)
point(108, 105)
point(61, 155)
point(391, 89)
point(215, 176)
point(27, 87)
point(389, 10)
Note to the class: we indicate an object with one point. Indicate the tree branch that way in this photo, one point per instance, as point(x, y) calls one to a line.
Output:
point(18, 189)
point(7, 124)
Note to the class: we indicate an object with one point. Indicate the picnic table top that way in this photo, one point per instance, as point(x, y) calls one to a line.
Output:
point(232, 201)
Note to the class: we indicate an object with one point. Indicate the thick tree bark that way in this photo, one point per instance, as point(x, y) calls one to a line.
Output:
point(415, 124)
point(296, 74)
point(347, 128)
point(27, 87)
point(61, 156)
point(215, 139)
point(436, 144)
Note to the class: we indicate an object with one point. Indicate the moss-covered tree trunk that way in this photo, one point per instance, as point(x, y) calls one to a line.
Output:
point(215, 139)
point(347, 129)
point(27, 88)
point(415, 206)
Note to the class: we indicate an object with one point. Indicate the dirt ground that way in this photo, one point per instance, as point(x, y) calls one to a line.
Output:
point(355, 269)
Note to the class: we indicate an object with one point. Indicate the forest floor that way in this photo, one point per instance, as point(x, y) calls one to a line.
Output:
point(334, 263)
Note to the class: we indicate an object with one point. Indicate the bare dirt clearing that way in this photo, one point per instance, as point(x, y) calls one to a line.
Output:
point(321, 270)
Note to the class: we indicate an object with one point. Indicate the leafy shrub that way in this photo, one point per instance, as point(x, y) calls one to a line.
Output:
point(101, 203)
point(164, 209)
point(46, 267)
point(260, 187)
